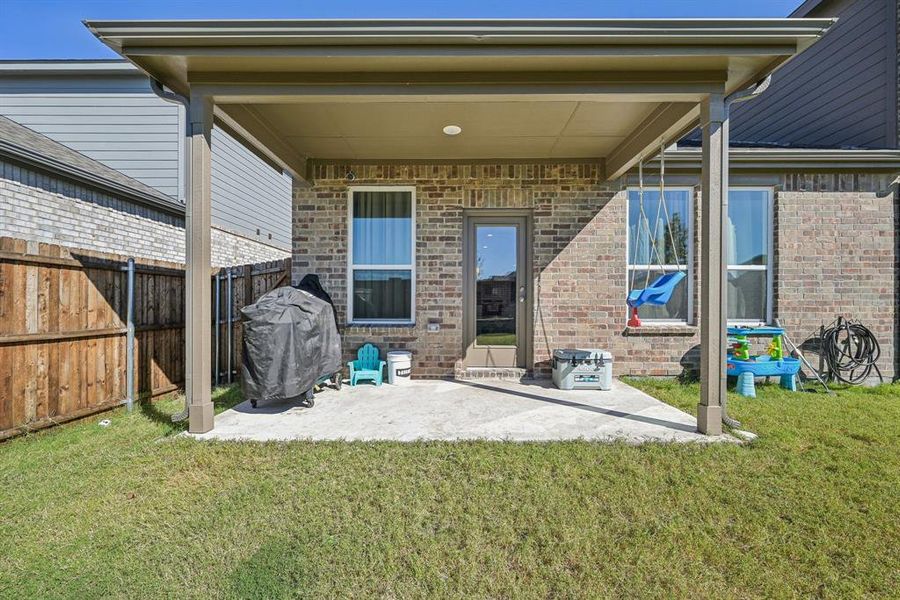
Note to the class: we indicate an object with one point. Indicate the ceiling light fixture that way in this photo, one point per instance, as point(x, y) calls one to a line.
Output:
point(452, 129)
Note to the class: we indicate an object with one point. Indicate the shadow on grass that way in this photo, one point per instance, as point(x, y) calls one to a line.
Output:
point(277, 569)
point(162, 411)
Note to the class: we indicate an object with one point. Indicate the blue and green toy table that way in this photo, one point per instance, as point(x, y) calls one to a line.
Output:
point(746, 367)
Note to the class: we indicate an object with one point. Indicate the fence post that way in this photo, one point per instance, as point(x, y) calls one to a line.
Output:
point(129, 337)
point(216, 360)
point(230, 304)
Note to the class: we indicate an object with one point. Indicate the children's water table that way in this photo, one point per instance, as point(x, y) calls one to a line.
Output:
point(745, 366)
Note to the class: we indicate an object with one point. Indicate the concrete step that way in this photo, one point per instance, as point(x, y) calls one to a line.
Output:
point(494, 373)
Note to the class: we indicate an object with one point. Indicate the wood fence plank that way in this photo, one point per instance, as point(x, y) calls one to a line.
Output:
point(7, 289)
point(62, 319)
point(6, 387)
point(19, 381)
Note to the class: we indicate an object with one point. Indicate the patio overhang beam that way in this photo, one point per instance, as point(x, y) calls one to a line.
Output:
point(674, 91)
point(245, 124)
point(667, 123)
point(611, 78)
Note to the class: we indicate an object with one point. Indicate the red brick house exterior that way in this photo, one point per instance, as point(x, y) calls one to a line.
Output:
point(835, 252)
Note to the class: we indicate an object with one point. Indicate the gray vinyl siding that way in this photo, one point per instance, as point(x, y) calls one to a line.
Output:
point(248, 194)
point(115, 120)
point(839, 93)
point(119, 121)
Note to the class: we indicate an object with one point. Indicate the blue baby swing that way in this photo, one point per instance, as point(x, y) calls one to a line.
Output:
point(660, 291)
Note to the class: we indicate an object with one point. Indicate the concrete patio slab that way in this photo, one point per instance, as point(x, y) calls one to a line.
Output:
point(464, 410)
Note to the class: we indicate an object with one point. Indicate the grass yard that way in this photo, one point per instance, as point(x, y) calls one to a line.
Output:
point(810, 509)
point(496, 339)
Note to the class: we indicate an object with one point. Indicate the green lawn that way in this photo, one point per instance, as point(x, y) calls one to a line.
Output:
point(496, 339)
point(810, 509)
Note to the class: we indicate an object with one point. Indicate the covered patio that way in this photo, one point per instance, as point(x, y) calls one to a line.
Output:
point(465, 410)
point(610, 93)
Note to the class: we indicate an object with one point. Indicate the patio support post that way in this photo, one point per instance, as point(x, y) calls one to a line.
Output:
point(198, 260)
point(713, 309)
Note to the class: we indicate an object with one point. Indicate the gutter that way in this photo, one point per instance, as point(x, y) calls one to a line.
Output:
point(65, 67)
point(458, 31)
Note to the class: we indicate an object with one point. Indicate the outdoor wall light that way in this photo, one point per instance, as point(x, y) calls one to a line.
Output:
point(452, 129)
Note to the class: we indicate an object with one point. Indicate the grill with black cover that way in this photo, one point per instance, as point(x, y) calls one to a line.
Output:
point(290, 344)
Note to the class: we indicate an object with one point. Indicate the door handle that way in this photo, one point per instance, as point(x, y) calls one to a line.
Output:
point(522, 294)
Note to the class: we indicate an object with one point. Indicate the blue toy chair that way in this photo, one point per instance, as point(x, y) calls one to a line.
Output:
point(367, 365)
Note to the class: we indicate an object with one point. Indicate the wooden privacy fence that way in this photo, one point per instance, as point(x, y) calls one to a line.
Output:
point(63, 329)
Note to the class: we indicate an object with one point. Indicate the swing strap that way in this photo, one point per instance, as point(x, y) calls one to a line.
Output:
point(653, 248)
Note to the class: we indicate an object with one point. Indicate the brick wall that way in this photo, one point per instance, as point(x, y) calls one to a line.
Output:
point(36, 206)
point(836, 254)
point(579, 258)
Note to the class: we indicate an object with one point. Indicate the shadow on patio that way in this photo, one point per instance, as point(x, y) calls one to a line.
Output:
point(464, 410)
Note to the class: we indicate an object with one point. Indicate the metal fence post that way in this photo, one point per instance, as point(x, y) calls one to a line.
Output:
point(217, 361)
point(229, 304)
point(129, 338)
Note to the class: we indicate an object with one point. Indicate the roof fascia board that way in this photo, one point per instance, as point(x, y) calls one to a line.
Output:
point(473, 31)
point(18, 68)
point(445, 50)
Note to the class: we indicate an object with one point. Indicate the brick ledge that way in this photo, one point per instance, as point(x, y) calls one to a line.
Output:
point(661, 330)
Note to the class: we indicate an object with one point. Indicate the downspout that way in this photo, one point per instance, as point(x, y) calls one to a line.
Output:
point(743, 95)
point(748, 93)
point(174, 98)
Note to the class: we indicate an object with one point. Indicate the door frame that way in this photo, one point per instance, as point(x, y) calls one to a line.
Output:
point(524, 345)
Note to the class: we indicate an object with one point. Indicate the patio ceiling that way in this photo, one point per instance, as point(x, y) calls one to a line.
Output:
point(600, 90)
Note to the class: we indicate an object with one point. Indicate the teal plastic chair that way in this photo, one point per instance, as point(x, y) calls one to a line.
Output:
point(367, 366)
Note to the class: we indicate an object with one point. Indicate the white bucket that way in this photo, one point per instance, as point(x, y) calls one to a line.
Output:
point(399, 366)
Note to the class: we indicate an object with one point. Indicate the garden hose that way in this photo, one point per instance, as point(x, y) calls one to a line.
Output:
point(851, 352)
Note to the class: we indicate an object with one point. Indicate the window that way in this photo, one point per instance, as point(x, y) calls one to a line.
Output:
point(381, 255)
point(675, 250)
point(749, 254)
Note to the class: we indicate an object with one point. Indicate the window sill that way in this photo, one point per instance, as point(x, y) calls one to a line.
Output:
point(375, 325)
point(662, 329)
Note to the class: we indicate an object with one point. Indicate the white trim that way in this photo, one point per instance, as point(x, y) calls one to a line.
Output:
point(688, 262)
point(770, 258)
point(405, 267)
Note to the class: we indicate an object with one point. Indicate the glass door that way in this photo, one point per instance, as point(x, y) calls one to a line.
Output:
point(496, 291)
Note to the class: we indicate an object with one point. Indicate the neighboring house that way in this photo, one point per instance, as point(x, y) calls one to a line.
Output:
point(841, 93)
point(432, 134)
point(107, 111)
point(52, 194)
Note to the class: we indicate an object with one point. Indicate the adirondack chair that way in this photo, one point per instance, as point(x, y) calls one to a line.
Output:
point(367, 365)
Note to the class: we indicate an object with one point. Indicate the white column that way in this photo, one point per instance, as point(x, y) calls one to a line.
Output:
point(198, 261)
point(713, 279)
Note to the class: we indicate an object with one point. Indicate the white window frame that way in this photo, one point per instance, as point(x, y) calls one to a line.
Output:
point(405, 267)
point(688, 261)
point(770, 258)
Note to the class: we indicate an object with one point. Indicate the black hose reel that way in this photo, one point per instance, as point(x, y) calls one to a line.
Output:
point(850, 352)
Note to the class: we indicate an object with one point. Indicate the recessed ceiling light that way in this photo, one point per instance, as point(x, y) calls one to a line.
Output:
point(452, 129)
